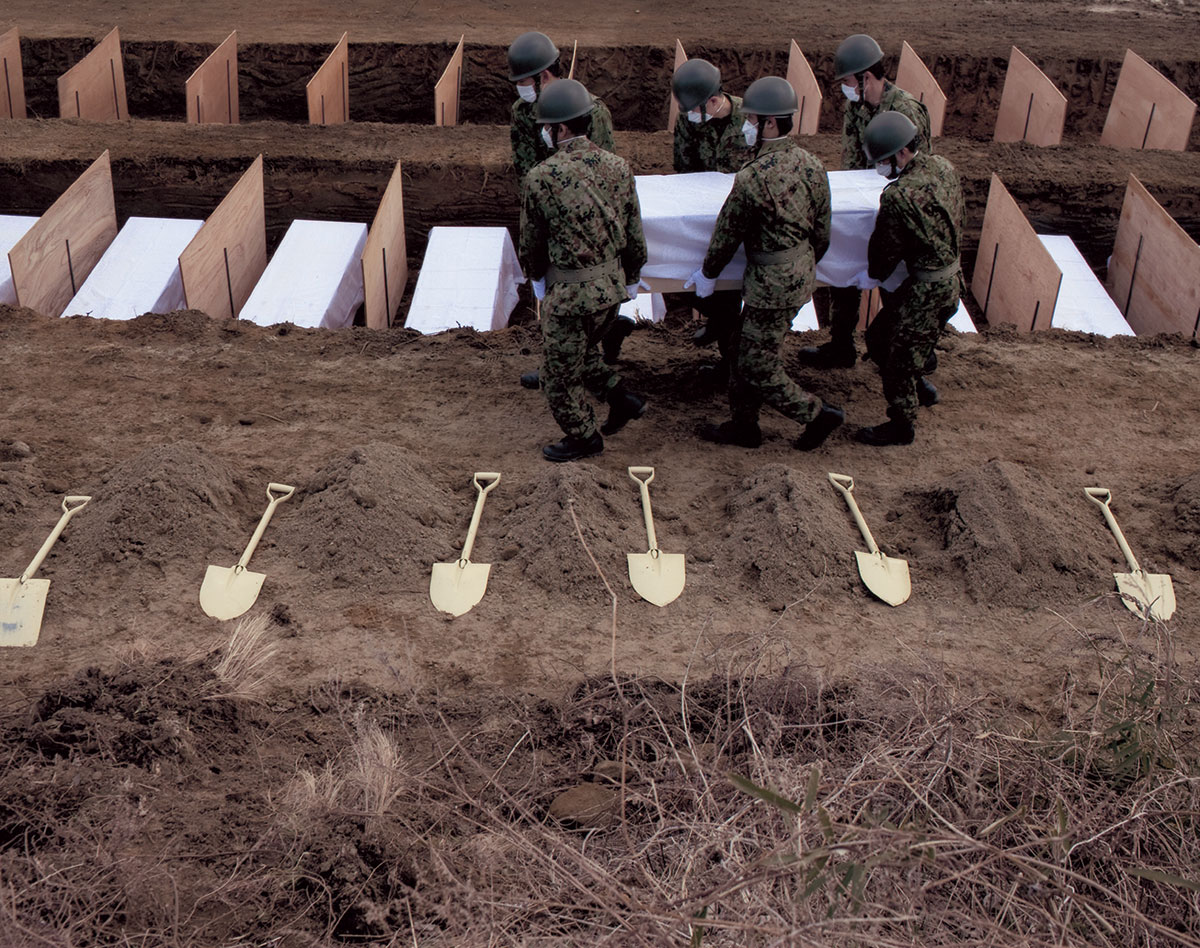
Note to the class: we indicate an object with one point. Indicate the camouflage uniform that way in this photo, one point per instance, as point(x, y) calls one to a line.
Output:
point(920, 220)
point(779, 203)
point(528, 149)
point(580, 210)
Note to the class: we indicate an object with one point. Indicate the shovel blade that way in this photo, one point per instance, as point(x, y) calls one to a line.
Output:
point(21, 608)
point(885, 576)
point(657, 579)
point(228, 592)
point(1141, 590)
point(457, 587)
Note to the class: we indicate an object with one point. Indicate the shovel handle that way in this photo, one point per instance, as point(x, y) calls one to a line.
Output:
point(284, 491)
point(71, 504)
point(845, 483)
point(643, 476)
point(493, 479)
point(1102, 497)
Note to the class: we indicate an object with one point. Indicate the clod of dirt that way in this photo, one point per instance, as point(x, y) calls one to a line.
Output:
point(588, 805)
point(1187, 518)
point(17, 493)
point(14, 450)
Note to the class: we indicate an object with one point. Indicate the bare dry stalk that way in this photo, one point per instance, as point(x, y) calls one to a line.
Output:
point(244, 669)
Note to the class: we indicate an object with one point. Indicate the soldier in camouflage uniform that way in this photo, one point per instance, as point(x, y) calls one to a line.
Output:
point(582, 245)
point(858, 66)
point(919, 223)
point(779, 208)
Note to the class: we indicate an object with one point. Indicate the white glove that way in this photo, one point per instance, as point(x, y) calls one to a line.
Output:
point(539, 288)
point(704, 286)
point(632, 290)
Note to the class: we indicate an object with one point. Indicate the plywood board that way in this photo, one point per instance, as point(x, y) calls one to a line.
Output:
point(808, 92)
point(12, 77)
point(446, 92)
point(212, 90)
point(385, 258)
point(1148, 110)
point(914, 77)
point(328, 90)
point(681, 57)
point(94, 88)
point(1016, 280)
point(1154, 272)
point(55, 256)
point(224, 261)
point(1032, 109)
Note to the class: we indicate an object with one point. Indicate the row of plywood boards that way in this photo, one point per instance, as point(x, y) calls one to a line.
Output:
point(218, 266)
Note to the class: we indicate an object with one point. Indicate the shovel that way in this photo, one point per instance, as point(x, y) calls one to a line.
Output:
point(1139, 591)
point(457, 587)
point(658, 577)
point(23, 600)
point(228, 591)
point(885, 576)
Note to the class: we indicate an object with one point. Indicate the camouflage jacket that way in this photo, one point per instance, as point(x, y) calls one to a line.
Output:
point(528, 149)
point(715, 145)
point(579, 208)
point(779, 200)
point(920, 219)
point(859, 114)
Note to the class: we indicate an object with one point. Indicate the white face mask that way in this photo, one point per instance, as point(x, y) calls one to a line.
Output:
point(750, 133)
point(547, 138)
point(528, 93)
point(695, 117)
point(887, 168)
point(850, 92)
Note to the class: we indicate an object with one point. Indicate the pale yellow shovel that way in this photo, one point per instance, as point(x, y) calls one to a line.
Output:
point(885, 576)
point(457, 587)
point(22, 601)
point(658, 577)
point(228, 591)
point(1139, 591)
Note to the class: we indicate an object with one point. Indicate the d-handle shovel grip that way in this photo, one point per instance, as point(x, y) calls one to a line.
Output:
point(493, 479)
point(643, 476)
point(1102, 497)
point(845, 483)
point(284, 491)
point(71, 505)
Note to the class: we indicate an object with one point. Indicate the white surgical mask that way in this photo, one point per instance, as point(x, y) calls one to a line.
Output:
point(528, 93)
point(850, 92)
point(750, 133)
point(887, 168)
point(547, 138)
point(695, 116)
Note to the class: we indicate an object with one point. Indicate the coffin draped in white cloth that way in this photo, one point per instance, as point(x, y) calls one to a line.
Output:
point(469, 277)
point(314, 279)
point(12, 228)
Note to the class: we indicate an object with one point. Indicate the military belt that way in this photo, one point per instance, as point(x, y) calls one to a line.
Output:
point(762, 258)
point(583, 274)
point(932, 276)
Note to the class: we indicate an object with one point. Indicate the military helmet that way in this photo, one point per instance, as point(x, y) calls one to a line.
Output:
point(563, 100)
point(769, 96)
point(694, 82)
point(529, 54)
point(858, 53)
point(886, 134)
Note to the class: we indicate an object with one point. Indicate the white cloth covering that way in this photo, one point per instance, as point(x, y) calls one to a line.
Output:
point(806, 319)
point(469, 277)
point(1083, 302)
point(12, 228)
point(314, 279)
point(648, 306)
point(139, 272)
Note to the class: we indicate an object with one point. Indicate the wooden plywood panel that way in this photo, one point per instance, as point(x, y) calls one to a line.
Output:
point(328, 91)
point(1031, 107)
point(914, 77)
point(94, 88)
point(385, 257)
point(212, 90)
point(1016, 280)
point(1148, 110)
point(808, 92)
point(446, 92)
point(681, 57)
point(55, 256)
point(12, 77)
point(1154, 273)
point(228, 255)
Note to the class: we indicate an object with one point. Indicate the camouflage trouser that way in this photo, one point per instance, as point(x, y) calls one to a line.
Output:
point(721, 311)
point(572, 364)
point(843, 311)
point(901, 339)
point(758, 374)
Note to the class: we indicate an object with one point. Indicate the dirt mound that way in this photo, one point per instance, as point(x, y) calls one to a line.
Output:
point(1187, 520)
point(17, 485)
point(375, 513)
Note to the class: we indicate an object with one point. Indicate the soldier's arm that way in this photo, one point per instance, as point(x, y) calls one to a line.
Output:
point(685, 154)
point(822, 212)
point(533, 250)
point(852, 156)
point(730, 230)
point(633, 254)
point(524, 150)
point(602, 127)
point(917, 113)
point(886, 247)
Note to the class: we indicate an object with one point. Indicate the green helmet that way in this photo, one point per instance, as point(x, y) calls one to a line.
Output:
point(769, 96)
point(694, 82)
point(858, 53)
point(886, 134)
point(563, 100)
point(529, 54)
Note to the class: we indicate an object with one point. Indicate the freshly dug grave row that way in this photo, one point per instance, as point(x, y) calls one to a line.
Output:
point(392, 82)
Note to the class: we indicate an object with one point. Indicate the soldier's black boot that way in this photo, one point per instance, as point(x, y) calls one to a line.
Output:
point(896, 430)
point(614, 338)
point(830, 355)
point(746, 435)
point(623, 407)
point(532, 379)
point(817, 430)
point(572, 448)
point(927, 393)
point(707, 334)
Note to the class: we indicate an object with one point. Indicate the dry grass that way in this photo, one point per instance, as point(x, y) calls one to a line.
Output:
point(244, 670)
